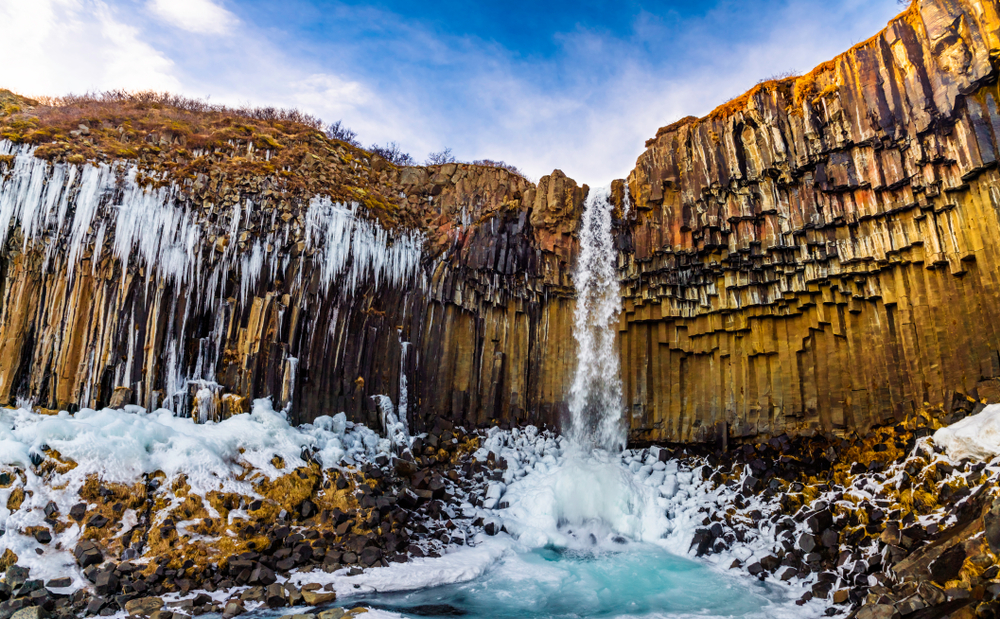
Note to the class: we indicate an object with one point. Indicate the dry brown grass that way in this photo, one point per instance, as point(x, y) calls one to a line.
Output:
point(201, 146)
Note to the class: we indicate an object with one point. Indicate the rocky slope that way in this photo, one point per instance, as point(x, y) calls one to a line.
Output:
point(815, 255)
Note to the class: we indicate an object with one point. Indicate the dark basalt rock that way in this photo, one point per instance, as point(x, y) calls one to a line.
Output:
point(947, 566)
point(106, 583)
point(87, 553)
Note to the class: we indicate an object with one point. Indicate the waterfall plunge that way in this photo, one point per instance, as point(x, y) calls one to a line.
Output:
point(595, 399)
point(585, 498)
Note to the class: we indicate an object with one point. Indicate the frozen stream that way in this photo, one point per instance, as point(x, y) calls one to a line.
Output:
point(640, 580)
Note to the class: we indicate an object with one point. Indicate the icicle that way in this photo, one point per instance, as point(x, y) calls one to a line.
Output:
point(394, 430)
point(64, 210)
point(359, 250)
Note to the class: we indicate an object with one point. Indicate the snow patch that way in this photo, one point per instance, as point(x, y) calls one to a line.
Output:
point(120, 446)
point(976, 437)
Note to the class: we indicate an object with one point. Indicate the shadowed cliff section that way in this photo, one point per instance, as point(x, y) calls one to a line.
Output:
point(820, 253)
point(250, 312)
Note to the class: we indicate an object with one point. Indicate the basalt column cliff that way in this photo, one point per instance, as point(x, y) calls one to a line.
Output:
point(818, 254)
point(821, 253)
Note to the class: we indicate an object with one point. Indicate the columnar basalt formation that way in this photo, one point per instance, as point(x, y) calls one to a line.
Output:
point(220, 289)
point(820, 254)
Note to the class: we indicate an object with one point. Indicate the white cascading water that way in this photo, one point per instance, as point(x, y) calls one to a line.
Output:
point(584, 495)
point(595, 401)
point(568, 500)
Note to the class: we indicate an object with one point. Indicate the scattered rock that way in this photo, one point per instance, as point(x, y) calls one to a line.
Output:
point(59, 583)
point(947, 566)
point(87, 553)
point(316, 598)
point(274, 596)
point(78, 511)
point(16, 576)
point(143, 607)
point(232, 609)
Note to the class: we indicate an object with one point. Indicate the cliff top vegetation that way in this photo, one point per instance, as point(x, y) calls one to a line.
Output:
point(176, 139)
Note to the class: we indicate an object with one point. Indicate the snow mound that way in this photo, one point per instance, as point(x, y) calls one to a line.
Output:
point(976, 437)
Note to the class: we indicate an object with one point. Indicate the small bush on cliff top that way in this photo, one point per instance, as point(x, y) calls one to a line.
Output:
point(339, 131)
point(151, 99)
point(500, 164)
point(440, 158)
point(392, 153)
point(781, 75)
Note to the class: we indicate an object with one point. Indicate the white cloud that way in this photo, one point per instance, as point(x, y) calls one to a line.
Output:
point(197, 16)
point(63, 46)
point(587, 110)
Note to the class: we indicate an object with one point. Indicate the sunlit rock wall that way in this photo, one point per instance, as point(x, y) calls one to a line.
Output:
point(821, 253)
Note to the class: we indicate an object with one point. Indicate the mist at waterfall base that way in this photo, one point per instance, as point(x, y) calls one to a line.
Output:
point(586, 524)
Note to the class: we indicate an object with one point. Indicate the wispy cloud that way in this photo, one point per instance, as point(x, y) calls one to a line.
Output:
point(584, 104)
point(197, 16)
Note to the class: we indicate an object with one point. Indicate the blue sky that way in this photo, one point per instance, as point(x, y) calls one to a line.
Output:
point(572, 85)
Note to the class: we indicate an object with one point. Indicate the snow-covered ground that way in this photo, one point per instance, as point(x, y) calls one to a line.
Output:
point(549, 494)
point(976, 437)
point(121, 446)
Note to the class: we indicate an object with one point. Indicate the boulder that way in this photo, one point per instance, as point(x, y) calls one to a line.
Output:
point(878, 611)
point(274, 596)
point(143, 607)
point(87, 553)
point(992, 526)
point(16, 576)
point(31, 612)
point(106, 583)
point(806, 543)
point(947, 566)
point(317, 598)
point(232, 609)
point(78, 511)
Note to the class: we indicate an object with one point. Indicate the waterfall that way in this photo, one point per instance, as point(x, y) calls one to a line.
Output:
point(404, 398)
point(595, 399)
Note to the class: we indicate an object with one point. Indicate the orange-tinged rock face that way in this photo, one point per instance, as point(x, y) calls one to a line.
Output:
point(791, 247)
